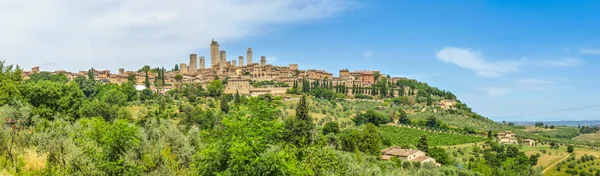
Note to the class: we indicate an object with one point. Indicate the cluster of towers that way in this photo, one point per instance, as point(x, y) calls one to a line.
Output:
point(218, 59)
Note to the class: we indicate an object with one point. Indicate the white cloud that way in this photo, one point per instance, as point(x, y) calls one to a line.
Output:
point(532, 81)
point(129, 33)
point(465, 58)
point(537, 84)
point(367, 54)
point(568, 62)
point(589, 51)
point(494, 91)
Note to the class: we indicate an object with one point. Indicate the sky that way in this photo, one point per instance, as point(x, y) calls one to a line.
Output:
point(504, 59)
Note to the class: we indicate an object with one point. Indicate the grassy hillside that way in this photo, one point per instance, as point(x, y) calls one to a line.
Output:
point(403, 136)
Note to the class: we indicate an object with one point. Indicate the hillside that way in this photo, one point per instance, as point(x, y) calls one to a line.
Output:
point(82, 127)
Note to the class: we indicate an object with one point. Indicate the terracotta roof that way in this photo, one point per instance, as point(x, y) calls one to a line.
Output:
point(397, 151)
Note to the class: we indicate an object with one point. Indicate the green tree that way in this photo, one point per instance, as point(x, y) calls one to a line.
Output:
point(299, 129)
point(371, 116)
point(570, 149)
point(371, 140)
point(404, 118)
point(215, 88)
point(236, 98)
point(224, 105)
point(440, 155)
point(147, 80)
point(422, 145)
point(331, 127)
point(91, 75)
point(129, 90)
point(176, 68)
point(178, 77)
point(114, 97)
point(131, 77)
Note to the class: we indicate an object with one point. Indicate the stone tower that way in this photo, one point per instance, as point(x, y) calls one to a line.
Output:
point(193, 63)
point(202, 62)
point(222, 61)
point(233, 63)
point(183, 68)
point(263, 60)
point(241, 61)
point(214, 54)
point(249, 56)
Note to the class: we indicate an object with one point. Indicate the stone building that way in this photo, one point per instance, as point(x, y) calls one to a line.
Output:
point(35, 69)
point(241, 61)
point(121, 71)
point(202, 62)
point(240, 85)
point(507, 137)
point(318, 74)
point(193, 64)
point(293, 67)
point(529, 142)
point(263, 60)
point(214, 54)
point(447, 104)
point(183, 68)
point(249, 56)
point(233, 63)
point(407, 155)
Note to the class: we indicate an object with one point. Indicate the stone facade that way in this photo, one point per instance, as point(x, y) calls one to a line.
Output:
point(214, 54)
point(263, 60)
point(293, 67)
point(202, 62)
point(183, 68)
point(193, 64)
point(241, 74)
point(35, 69)
point(407, 155)
point(249, 56)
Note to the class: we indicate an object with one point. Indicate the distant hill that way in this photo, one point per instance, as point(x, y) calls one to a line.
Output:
point(563, 123)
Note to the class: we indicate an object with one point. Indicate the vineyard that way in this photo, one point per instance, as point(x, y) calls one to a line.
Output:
point(409, 136)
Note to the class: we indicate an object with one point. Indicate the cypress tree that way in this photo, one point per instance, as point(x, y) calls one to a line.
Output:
point(91, 74)
point(237, 99)
point(423, 146)
point(147, 81)
point(299, 129)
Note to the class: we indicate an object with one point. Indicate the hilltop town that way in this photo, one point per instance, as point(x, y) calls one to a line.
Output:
point(237, 74)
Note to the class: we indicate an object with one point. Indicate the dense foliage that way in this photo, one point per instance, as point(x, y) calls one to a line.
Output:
point(57, 126)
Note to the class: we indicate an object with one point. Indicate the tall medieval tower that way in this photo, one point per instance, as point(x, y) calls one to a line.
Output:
point(214, 54)
point(241, 61)
point(249, 56)
point(202, 62)
point(263, 60)
point(193, 64)
point(222, 61)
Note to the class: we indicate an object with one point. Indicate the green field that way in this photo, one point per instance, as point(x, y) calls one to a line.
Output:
point(409, 136)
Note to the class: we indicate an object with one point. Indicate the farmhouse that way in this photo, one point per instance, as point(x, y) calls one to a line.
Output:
point(507, 137)
point(407, 155)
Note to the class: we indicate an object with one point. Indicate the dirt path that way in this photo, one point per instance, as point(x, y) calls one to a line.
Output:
point(552, 165)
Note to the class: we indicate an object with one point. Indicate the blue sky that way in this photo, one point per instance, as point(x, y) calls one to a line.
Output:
point(502, 58)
